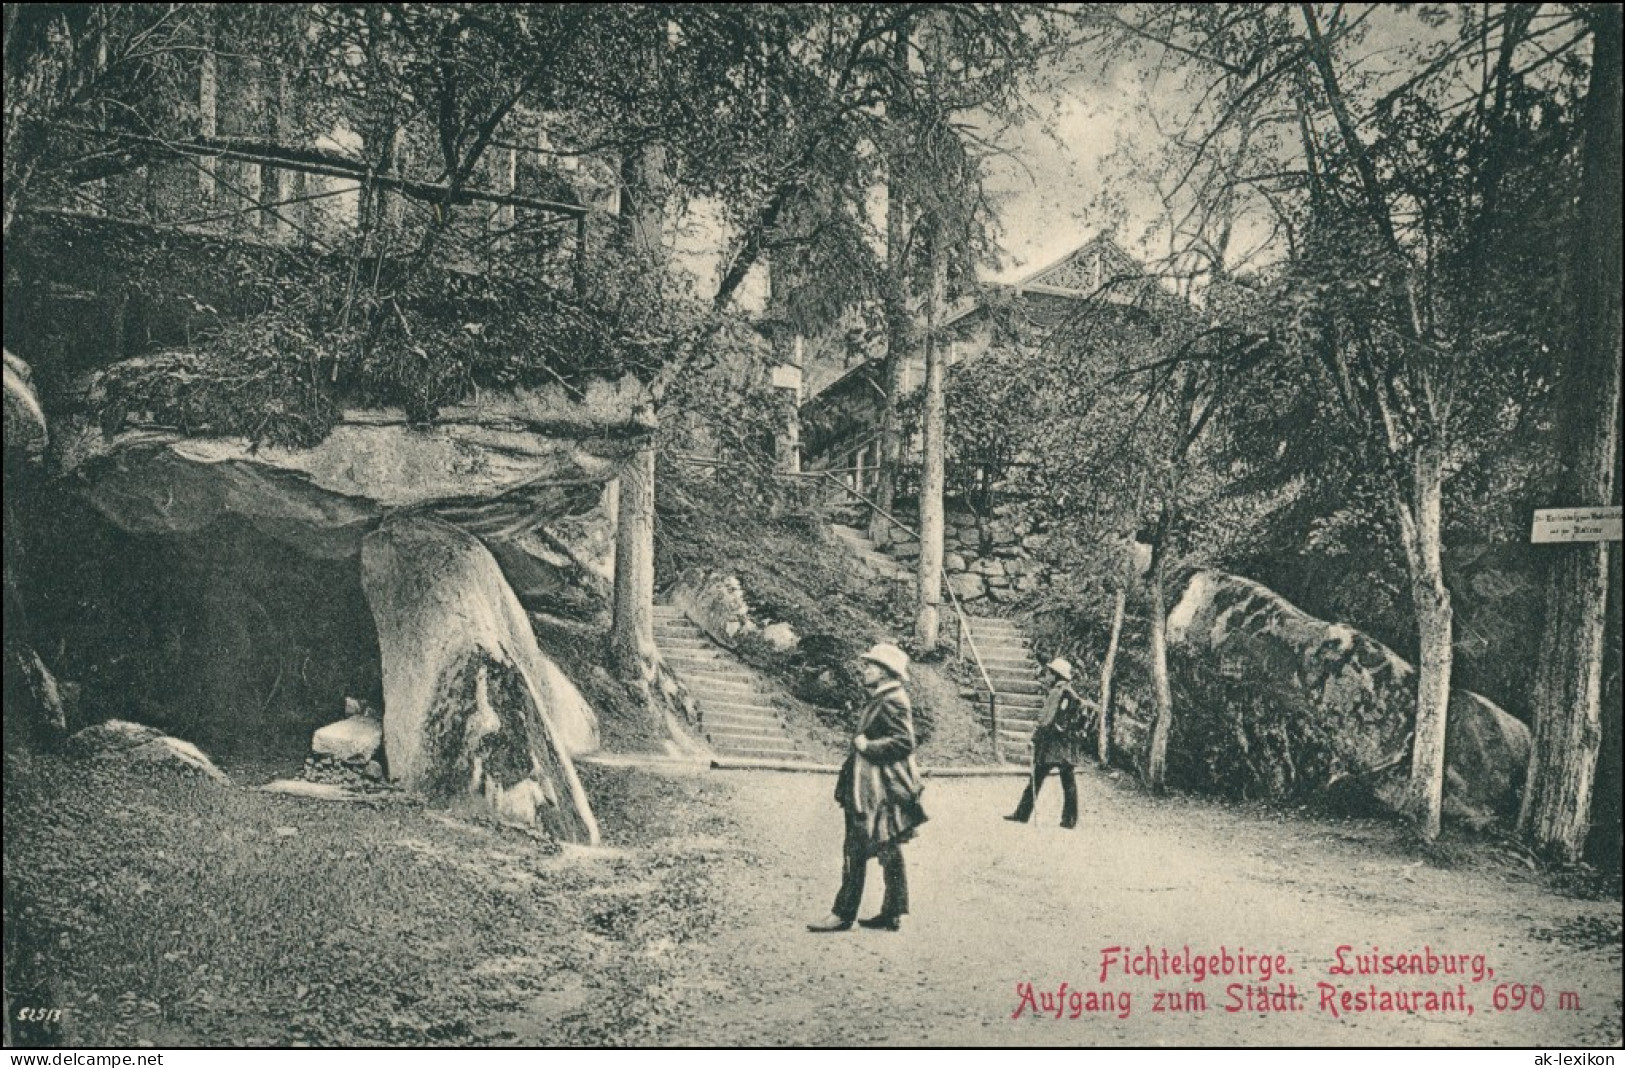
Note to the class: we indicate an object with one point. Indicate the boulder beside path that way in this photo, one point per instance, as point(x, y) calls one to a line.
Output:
point(135, 743)
point(473, 711)
point(1273, 702)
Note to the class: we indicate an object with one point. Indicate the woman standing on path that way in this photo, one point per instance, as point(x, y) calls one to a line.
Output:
point(879, 790)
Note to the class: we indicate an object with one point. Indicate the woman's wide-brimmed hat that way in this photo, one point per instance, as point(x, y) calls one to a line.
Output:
point(1060, 666)
point(889, 657)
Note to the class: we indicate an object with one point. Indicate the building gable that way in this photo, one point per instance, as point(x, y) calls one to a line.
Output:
point(1085, 269)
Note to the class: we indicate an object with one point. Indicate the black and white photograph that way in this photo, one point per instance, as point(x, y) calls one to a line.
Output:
point(868, 526)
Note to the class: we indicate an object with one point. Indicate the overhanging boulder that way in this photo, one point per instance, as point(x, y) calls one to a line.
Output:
point(472, 708)
point(496, 467)
point(1274, 702)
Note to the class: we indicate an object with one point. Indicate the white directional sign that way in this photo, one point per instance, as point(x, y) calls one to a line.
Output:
point(1575, 524)
point(786, 376)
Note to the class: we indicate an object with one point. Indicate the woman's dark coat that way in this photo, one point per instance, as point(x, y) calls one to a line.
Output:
point(881, 784)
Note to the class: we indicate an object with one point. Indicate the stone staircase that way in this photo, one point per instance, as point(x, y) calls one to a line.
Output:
point(876, 561)
point(737, 716)
point(1015, 673)
point(1005, 651)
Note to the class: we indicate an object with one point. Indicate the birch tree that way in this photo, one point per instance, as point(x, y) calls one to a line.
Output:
point(1392, 177)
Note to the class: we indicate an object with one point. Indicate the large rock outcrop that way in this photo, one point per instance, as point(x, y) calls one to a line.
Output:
point(213, 588)
point(497, 467)
point(1273, 702)
point(472, 708)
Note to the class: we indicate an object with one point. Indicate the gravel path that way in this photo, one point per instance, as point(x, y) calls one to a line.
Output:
point(998, 905)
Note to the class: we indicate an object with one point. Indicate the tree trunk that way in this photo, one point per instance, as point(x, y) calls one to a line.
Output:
point(632, 640)
point(1103, 742)
point(889, 450)
point(641, 225)
point(208, 115)
point(1421, 531)
point(1556, 812)
point(287, 184)
point(1157, 762)
point(928, 621)
point(1604, 843)
point(1128, 573)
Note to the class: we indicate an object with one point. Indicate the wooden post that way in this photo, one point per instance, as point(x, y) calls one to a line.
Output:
point(581, 256)
point(208, 111)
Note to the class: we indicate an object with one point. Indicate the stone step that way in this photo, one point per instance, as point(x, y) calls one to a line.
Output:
point(983, 640)
point(685, 645)
point(758, 729)
point(740, 710)
point(738, 717)
point(975, 689)
point(734, 741)
point(987, 642)
point(1029, 667)
point(999, 651)
point(747, 735)
point(1024, 717)
point(1012, 672)
point(711, 671)
point(1018, 685)
point(737, 693)
point(677, 627)
point(986, 647)
point(699, 660)
point(1019, 704)
point(736, 697)
point(1030, 693)
point(689, 643)
point(1015, 679)
point(987, 652)
point(1007, 687)
point(742, 736)
point(765, 753)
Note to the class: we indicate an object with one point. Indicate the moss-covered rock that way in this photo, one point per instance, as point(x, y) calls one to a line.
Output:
point(1273, 702)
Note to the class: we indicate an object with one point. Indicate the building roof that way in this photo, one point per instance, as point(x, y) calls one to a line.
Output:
point(1098, 269)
